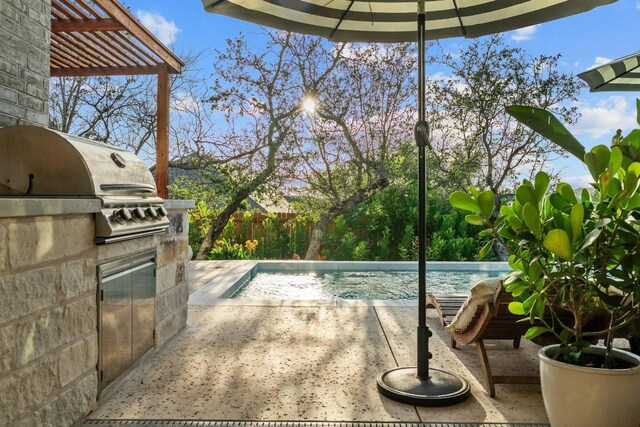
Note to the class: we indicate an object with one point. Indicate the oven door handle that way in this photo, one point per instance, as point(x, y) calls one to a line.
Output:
point(144, 188)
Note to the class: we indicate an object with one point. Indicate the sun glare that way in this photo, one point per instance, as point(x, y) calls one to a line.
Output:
point(309, 104)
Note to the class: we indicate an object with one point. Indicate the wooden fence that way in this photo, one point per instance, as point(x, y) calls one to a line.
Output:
point(254, 228)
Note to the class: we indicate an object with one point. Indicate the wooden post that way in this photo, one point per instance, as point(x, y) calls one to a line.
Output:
point(162, 140)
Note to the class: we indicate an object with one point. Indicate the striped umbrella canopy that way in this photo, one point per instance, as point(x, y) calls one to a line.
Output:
point(620, 75)
point(405, 21)
point(395, 20)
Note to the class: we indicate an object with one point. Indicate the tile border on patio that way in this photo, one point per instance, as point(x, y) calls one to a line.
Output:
point(222, 423)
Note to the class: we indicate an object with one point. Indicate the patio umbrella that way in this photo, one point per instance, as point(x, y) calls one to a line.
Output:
point(404, 21)
point(620, 75)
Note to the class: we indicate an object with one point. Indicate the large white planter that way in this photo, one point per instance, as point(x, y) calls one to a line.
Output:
point(590, 397)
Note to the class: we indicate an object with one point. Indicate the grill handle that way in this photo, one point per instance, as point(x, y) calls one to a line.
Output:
point(142, 188)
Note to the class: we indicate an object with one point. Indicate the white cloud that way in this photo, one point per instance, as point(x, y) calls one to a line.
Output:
point(582, 181)
point(600, 60)
point(184, 102)
point(638, 5)
point(165, 31)
point(610, 114)
point(525, 33)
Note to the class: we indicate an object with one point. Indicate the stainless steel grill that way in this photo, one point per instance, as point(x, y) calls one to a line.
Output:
point(38, 162)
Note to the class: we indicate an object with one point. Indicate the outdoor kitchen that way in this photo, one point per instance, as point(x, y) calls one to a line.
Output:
point(93, 263)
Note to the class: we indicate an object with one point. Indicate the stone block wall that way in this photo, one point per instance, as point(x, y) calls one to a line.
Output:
point(24, 61)
point(172, 291)
point(48, 312)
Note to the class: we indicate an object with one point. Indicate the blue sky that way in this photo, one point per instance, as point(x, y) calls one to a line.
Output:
point(583, 40)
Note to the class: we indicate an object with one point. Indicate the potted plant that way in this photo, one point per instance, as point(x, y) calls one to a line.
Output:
point(580, 253)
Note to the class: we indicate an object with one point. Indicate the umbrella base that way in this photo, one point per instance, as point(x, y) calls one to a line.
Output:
point(441, 389)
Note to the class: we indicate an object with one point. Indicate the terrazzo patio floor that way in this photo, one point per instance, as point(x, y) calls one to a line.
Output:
point(312, 363)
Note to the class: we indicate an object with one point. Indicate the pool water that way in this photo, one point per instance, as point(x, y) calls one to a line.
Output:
point(358, 285)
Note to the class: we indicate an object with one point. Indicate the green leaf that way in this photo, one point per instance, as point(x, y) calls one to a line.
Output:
point(593, 165)
point(542, 184)
point(516, 308)
point(536, 331)
point(525, 194)
point(529, 303)
point(514, 222)
point(615, 161)
point(539, 307)
point(557, 241)
point(547, 125)
point(615, 186)
point(463, 201)
point(576, 217)
point(604, 181)
point(506, 210)
point(516, 289)
point(619, 196)
point(486, 201)
point(632, 140)
point(590, 238)
point(532, 219)
point(485, 249)
point(567, 193)
point(631, 180)
point(534, 271)
point(603, 154)
point(474, 219)
point(557, 201)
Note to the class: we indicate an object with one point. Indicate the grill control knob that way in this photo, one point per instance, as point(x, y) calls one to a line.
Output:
point(122, 215)
point(162, 211)
point(151, 212)
point(138, 213)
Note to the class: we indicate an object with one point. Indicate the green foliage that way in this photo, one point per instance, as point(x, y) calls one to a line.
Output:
point(384, 228)
point(569, 253)
point(205, 211)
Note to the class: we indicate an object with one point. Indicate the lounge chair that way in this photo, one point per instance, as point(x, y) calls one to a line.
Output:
point(483, 315)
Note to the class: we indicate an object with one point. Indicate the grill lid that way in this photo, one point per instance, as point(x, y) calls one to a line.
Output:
point(35, 161)
point(38, 162)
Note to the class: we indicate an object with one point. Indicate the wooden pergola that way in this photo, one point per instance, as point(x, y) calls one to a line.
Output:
point(102, 38)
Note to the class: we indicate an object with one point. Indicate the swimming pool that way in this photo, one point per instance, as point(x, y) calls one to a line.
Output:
point(358, 285)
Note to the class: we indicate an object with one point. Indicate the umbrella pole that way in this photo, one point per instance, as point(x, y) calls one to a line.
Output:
point(419, 385)
point(422, 135)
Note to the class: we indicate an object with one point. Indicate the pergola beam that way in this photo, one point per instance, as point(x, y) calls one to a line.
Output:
point(122, 15)
point(106, 71)
point(162, 140)
point(85, 25)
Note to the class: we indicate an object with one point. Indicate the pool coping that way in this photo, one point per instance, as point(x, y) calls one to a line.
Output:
point(219, 289)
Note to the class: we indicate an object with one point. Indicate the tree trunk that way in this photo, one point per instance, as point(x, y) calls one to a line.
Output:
point(501, 252)
point(316, 237)
point(498, 248)
point(341, 208)
point(220, 223)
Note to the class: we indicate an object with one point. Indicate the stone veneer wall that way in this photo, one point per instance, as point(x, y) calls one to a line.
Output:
point(24, 61)
point(48, 309)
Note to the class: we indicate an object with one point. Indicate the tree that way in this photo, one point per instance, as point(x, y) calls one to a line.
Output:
point(474, 141)
point(260, 92)
point(365, 111)
point(122, 110)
